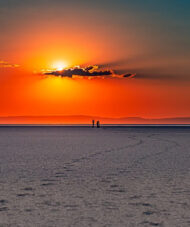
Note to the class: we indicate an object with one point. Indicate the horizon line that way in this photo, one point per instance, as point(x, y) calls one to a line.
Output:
point(90, 116)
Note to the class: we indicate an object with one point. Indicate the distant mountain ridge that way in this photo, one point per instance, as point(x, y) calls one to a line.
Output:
point(82, 119)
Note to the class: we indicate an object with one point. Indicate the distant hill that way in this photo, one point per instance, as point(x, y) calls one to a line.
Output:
point(88, 119)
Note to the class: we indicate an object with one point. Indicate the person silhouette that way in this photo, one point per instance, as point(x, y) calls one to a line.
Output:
point(98, 124)
point(93, 123)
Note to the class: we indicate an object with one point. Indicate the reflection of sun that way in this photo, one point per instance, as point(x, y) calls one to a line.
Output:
point(59, 65)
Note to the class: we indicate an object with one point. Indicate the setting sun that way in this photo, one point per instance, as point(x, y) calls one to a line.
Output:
point(59, 65)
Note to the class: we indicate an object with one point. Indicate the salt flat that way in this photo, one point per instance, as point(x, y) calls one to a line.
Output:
point(79, 176)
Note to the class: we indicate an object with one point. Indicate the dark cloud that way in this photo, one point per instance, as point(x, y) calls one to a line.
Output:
point(79, 72)
point(89, 71)
point(129, 75)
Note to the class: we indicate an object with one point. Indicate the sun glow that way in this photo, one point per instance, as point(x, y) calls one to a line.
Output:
point(59, 65)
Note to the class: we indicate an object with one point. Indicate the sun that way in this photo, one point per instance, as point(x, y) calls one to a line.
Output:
point(59, 65)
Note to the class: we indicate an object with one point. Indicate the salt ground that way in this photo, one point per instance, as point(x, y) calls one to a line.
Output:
point(79, 176)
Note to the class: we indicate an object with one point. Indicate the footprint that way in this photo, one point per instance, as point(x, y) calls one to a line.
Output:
point(114, 186)
point(151, 223)
point(51, 204)
point(136, 197)
point(48, 180)
point(23, 194)
point(3, 209)
point(47, 184)
point(28, 210)
point(3, 201)
point(28, 189)
point(146, 205)
point(149, 212)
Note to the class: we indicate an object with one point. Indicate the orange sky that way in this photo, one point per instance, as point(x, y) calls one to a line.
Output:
point(160, 89)
point(24, 93)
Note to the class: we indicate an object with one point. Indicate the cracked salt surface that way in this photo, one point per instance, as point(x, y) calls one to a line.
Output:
point(78, 176)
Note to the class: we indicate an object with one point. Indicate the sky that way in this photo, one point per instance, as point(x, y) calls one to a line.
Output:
point(42, 42)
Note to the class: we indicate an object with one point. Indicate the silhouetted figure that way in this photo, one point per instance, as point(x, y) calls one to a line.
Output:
point(98, 124)
point(93, 122)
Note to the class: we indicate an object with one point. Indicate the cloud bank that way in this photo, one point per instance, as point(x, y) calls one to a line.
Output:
point(89, 71)
point(4, 64)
